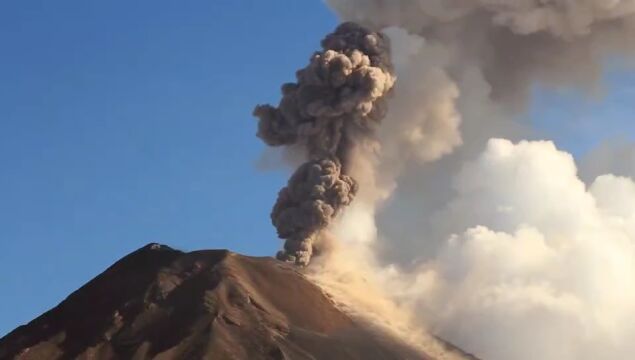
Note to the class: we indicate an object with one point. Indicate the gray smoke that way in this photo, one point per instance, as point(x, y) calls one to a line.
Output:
point(515, 43)
point(337, 102)
point(495, 245)
point(314, 195)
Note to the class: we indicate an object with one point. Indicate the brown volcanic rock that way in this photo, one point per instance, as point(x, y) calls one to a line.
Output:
point(160, 303)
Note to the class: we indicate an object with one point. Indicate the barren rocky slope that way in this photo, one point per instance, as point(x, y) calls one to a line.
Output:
point(160, 303)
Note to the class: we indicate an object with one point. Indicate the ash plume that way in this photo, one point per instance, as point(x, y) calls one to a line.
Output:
point(314, 195)
point(338, 100)
point(484, 235)
point(515, 43)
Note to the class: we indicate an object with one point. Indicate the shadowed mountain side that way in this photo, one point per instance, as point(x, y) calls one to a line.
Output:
point(160, 303)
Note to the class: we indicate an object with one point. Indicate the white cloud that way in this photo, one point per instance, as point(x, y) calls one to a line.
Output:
point(554, 278)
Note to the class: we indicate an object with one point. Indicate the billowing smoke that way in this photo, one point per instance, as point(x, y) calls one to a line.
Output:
point(514, 43)
point(338, 101)
point(316, 192)
point(463, 221)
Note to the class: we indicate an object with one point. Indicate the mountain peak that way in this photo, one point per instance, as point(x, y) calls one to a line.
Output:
point(162, 303)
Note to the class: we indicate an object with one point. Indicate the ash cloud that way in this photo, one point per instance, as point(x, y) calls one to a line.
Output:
point(515, 43)
point(338, 101)
point(463, 220)
point(315, 194)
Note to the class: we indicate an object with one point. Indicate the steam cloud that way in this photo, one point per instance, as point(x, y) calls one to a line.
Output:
point(337, 101)
point(463, 220)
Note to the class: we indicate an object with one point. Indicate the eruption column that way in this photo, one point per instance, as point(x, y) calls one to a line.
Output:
point(336, 103)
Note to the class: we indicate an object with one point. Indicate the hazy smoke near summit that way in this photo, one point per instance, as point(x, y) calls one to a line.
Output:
point(463, 219)
point(337, 102)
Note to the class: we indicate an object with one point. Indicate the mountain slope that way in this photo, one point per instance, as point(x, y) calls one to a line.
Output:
point(160, 303)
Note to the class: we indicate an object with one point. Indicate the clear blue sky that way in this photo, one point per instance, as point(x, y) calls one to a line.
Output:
point(128, 122)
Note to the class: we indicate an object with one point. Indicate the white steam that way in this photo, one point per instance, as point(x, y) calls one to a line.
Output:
point(497, 246)
point(549, 270)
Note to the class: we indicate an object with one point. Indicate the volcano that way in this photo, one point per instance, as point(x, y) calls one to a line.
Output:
point(161, 303)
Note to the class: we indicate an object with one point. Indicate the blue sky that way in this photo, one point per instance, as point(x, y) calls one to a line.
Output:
point(129, 122)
